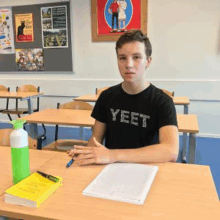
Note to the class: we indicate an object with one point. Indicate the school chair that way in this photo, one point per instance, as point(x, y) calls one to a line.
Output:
point(66, 144)
point(98, 91)
point(20, 111)
point(4, 89)
point(5, 139)
point(171, 94)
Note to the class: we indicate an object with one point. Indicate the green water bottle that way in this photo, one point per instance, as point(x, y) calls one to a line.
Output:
point(19, 151)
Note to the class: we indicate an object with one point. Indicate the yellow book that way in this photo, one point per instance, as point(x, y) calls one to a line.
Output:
point(33, 190)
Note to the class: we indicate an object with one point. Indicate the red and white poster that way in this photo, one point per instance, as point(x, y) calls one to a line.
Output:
point(115, 16)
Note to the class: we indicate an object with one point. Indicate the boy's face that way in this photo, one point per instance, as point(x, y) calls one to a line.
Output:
point(132, 61)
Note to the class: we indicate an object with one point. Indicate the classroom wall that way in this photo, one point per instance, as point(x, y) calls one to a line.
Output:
point(185, 37)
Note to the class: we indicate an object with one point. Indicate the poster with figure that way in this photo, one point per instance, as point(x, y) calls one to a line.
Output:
point(54, 27)
point(24, 27)
point(6, 31)
point(30, 59)
point(111, 18)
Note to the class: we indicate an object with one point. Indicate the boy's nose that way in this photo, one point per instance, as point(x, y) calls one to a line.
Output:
point(130, 62)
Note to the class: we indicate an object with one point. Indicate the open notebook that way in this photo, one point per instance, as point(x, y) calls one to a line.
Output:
point(126, 182)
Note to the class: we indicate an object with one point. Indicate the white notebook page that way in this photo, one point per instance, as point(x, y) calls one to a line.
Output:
point(127, 182)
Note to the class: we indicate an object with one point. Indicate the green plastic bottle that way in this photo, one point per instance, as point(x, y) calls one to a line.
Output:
point(19, 151)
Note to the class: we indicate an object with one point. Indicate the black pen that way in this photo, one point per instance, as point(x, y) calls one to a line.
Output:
point(48, 176)
point(70, 163)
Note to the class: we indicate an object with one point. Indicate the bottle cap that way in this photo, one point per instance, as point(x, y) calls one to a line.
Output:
point(18, 123)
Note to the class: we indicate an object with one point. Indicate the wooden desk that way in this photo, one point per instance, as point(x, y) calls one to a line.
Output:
point(62, 117)
point(188, 124)
point(29, 96)
point(79, 118)
point(87, 98)
point(179, 191)
point(177, 100)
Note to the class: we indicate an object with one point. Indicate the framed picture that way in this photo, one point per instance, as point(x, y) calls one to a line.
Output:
point(111, 18)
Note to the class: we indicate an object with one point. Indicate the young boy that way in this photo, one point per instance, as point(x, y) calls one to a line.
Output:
point(137, 120)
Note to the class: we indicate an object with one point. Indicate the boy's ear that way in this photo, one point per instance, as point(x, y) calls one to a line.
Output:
point(148, 61)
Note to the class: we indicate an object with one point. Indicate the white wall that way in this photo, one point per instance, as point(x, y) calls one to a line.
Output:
point(185, 37)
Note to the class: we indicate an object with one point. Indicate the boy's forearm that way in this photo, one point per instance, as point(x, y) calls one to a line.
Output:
point(153, 153)
point(91, 143)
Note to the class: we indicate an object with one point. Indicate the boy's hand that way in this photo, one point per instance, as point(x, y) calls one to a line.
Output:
point(96, 154)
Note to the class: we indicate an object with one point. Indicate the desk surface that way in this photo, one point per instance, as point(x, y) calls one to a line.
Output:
point(179, 191)
point(62, 117)
point(181, 100)
point(186, 123)
point(19, 95)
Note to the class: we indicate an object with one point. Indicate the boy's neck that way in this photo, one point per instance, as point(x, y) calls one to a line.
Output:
point(132, 88)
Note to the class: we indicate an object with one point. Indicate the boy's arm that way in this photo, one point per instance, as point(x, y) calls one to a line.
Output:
point(166, 151)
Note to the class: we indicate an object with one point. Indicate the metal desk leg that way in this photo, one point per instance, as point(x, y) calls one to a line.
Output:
point(30, 105)
point(81, 135)
point(186, 109)
point(192, 148)
point(33, 127)
point(184, 150)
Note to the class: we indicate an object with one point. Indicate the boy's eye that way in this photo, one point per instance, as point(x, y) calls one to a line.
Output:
point(122, 58)
point(137, 57)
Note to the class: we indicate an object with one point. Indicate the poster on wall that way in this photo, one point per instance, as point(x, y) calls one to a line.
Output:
point(24, 27)
point(54, 27)
point(111, 18)
point(30, 59)
point(6, 31)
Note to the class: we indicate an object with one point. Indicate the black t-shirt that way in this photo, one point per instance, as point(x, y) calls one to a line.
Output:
point(133, 120)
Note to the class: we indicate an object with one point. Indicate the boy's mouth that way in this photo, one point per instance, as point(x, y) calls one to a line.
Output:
point(129, 73)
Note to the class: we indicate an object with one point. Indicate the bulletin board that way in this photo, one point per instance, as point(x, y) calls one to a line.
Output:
point(57, 59)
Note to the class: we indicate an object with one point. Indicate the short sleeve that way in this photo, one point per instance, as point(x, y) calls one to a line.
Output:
point(166, 113)
point(99, 111)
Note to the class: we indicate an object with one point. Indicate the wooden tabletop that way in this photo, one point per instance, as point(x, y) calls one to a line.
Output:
point(181, 100)
point(87, 98)
point(19, 95)
point(179, 191)
point(62, 117)
point(186, 123)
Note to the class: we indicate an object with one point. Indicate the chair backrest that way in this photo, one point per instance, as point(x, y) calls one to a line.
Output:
point(3, 88)
point(28, 88)
point(171, 94)
point(98, 91)
point(5, 139)
point(75, 105)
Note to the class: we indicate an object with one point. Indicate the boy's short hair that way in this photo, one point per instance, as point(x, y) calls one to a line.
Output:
point(132, 36)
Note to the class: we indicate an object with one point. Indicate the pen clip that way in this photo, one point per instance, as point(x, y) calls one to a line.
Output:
point(48, 176)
